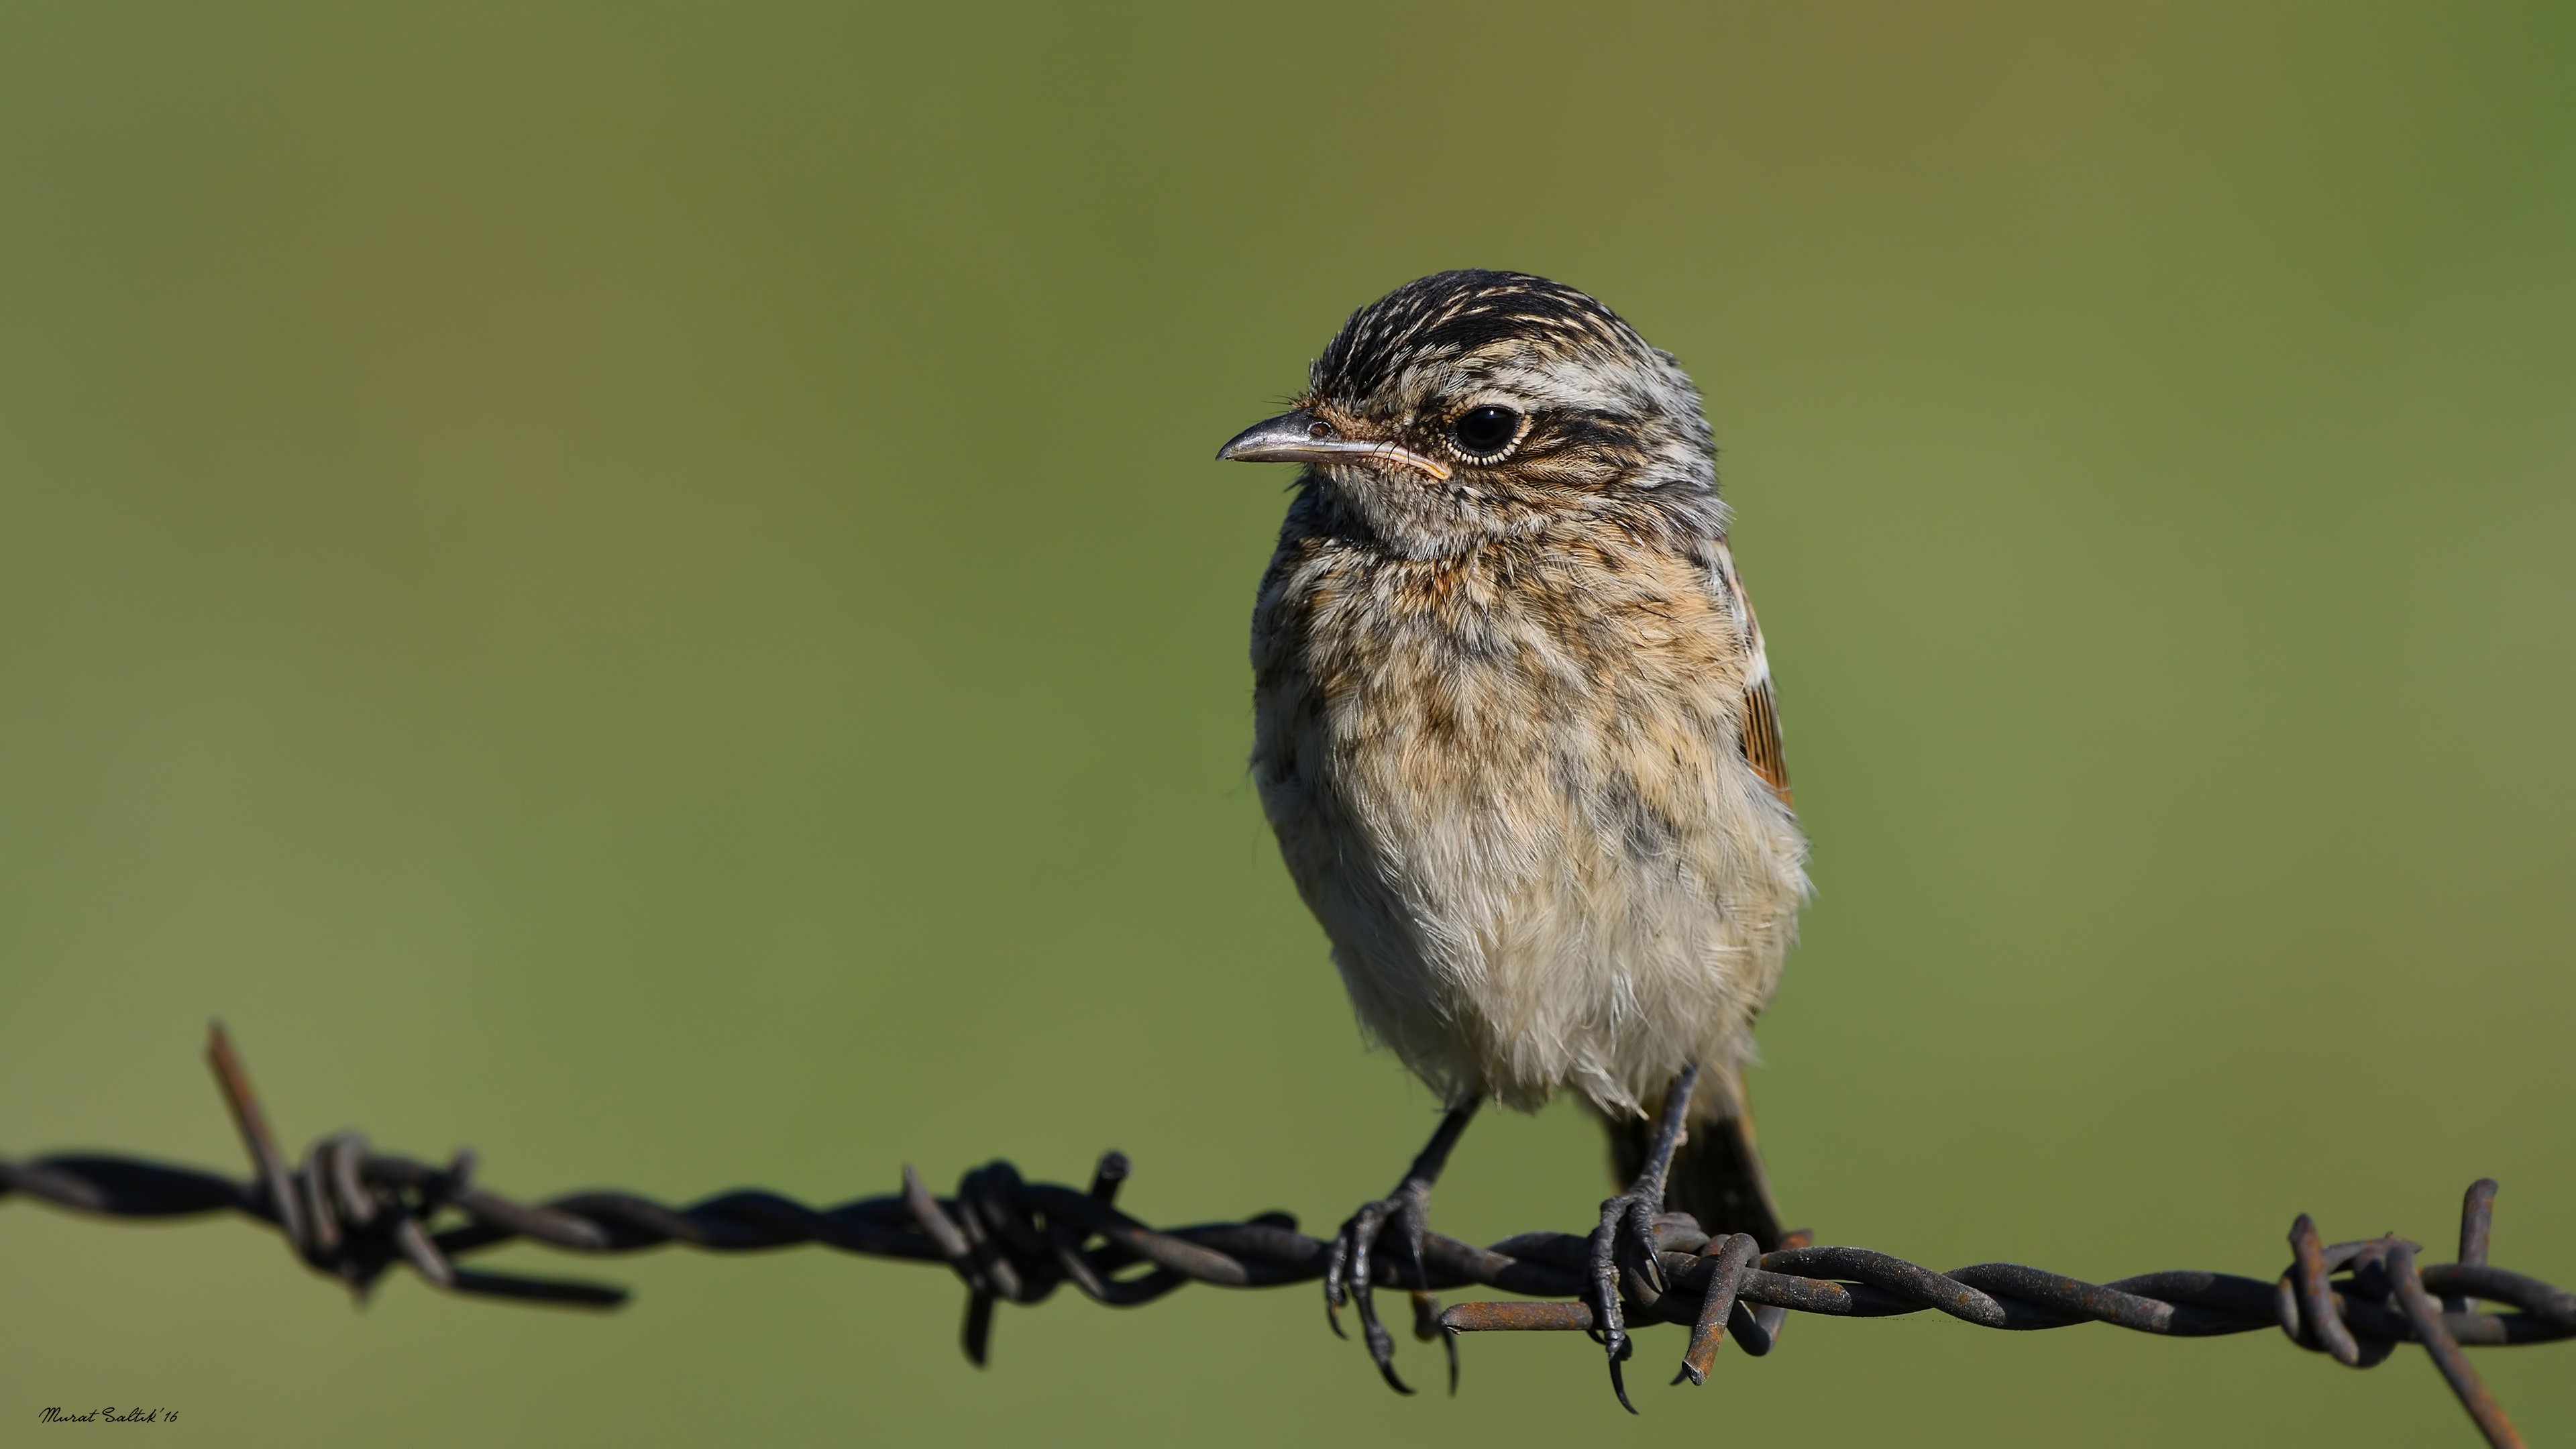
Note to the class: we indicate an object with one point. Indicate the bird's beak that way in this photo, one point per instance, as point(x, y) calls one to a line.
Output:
point(1302, 437)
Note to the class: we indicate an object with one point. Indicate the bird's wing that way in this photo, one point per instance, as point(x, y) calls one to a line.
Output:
point(1761, 715)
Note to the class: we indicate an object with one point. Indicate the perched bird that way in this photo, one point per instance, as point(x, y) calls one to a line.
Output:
point(1514, 730)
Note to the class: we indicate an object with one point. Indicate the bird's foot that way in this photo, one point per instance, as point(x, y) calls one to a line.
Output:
point(1350, 1265)
point(1349, 1268)
point(1623, 1265)
point(1623, 1246)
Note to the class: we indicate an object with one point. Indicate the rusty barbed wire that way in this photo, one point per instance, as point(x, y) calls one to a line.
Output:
point(354, 1214)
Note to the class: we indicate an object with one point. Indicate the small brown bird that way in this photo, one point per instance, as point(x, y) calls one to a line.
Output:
point(1514, 729)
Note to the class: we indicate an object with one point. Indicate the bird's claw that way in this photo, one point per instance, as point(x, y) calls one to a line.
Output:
point(1351, 1261)
point(1623, 1266)
point(1349, 1266)
point(1623, 1246)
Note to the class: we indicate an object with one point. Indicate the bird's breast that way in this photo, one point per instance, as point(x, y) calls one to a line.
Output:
point(1507, 784)
point(1511, 691)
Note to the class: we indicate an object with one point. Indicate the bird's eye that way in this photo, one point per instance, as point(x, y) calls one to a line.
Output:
point(1484, 431)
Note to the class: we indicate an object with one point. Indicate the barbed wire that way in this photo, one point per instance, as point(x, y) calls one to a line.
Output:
point(354, 1214)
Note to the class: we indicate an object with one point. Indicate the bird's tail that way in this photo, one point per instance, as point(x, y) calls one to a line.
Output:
point(1717, 1176)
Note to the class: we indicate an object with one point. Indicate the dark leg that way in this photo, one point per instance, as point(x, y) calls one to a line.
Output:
point(1625, 1240)
point(1717, 1175)
point(1347, 1269)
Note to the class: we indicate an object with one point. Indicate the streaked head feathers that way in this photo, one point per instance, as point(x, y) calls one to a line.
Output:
point(1475, 405)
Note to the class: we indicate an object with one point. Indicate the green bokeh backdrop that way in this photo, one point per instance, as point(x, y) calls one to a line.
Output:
point(642, 588)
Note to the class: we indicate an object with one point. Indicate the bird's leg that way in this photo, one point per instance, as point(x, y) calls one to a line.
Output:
point(1626, 1237)
point(1347, 1266)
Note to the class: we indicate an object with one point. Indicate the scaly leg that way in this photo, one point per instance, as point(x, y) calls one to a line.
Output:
point(1625, 1240)
point(1346, 1270)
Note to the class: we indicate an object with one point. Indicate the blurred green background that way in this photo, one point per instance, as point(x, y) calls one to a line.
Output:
point(642, 588)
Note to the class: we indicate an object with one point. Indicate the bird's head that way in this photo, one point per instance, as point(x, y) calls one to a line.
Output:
point(1474, 406)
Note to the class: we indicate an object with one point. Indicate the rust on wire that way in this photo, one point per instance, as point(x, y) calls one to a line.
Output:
point(353, 1214)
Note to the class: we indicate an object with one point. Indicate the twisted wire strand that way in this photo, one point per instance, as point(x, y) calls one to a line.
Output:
point(354, 1214)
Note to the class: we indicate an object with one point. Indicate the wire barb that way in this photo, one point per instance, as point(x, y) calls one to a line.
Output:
point(352, 1214)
